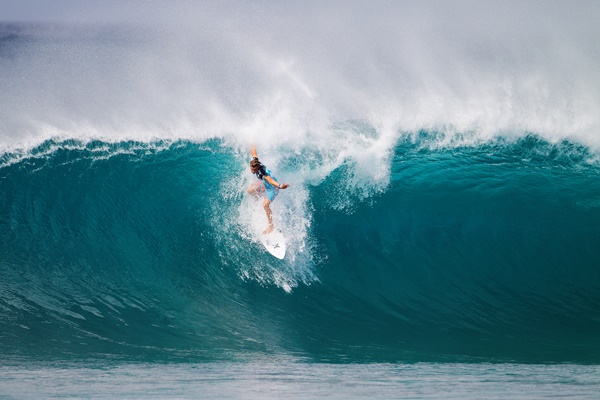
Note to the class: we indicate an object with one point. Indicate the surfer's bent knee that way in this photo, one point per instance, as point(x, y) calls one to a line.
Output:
point(255, 188)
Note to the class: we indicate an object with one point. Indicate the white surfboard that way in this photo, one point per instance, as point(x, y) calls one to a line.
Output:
point(274, 242)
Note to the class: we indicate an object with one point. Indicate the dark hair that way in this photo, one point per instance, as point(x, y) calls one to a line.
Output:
point(260, 169)
point(255, 163)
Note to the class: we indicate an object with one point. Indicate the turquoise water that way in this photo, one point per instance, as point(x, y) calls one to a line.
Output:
point(442, 218)
point(477, 253)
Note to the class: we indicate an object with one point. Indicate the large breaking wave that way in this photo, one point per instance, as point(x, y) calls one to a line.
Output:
point(149, 249)
point(443, 165)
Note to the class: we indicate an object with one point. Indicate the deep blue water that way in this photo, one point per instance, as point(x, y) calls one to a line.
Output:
point(133, 250)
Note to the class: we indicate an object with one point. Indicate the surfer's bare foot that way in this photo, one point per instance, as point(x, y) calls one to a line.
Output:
point(268, 230)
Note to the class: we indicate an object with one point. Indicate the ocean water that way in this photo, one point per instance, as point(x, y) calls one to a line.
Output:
point(274, 379)
point(442, 221)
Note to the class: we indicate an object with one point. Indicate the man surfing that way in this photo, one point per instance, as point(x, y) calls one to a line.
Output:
point(268, 186)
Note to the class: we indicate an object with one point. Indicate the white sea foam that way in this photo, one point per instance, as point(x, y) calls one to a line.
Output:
point(285, 74)
point(240, 227)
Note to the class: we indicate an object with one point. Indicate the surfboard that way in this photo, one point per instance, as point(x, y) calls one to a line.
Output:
point(274, 242)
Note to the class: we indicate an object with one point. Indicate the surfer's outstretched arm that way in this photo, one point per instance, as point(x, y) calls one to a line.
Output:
point(253, 151)
point(275, 183)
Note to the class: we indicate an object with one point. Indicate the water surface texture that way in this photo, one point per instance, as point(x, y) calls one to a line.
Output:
point(442, 221)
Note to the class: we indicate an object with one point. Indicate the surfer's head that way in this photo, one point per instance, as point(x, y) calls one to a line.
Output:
point(257, 168)
point(255, 165)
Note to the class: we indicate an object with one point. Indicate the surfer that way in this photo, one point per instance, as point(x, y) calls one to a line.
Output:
point(268, 186)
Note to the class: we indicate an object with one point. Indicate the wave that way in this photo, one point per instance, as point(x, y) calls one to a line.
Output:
point(437, 250)
point(443, 168)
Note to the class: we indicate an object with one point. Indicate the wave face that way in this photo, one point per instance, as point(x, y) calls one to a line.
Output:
point(443, 162)
point(150, 250)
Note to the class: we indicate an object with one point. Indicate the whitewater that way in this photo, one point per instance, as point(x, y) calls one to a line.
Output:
point(442, 219)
